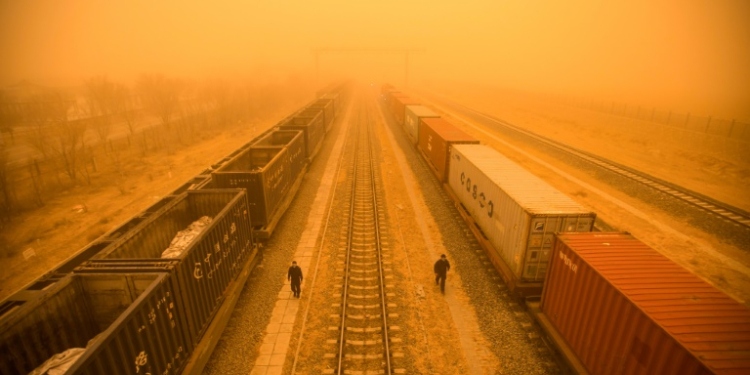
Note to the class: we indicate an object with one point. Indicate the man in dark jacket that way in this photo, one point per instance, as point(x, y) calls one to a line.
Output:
point(441, 271)
point(295, 275)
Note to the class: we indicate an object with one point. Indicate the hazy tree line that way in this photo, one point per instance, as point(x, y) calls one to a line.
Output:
point(76, 136)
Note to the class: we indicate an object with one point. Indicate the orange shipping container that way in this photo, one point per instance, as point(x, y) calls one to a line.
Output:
point(384, 88)
point(623, 308)
point(435, 139)
point(389, 95)
point(398, 106)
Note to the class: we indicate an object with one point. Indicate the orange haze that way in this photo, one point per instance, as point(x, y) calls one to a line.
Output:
point(686, 55)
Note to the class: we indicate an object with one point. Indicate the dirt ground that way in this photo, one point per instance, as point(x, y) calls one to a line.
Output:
point(56, 231)
point(415, 253)
point(708, 168)
point(412, 250)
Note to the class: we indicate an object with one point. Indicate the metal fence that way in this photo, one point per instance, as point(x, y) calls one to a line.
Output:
point(734, 129)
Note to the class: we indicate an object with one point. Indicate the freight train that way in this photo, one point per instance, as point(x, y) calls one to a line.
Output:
point(123, 305)
point(513, 213)
point(117, 306)
point(609, 303)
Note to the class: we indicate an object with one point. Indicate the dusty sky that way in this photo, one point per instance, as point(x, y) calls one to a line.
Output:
point(692, 54)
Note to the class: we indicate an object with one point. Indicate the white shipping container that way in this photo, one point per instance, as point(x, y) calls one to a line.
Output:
point(411, 123)
point(517, 211)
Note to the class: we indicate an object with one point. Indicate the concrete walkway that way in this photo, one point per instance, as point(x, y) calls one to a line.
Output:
point(275, 345)
point(465, 323)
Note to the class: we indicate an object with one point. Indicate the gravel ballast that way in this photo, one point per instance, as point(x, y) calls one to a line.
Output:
point(509, 331)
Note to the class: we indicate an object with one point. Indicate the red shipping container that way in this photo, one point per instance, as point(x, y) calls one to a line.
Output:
point(392, 93)
point(398, 106)
point(384, 88)
point(623, 308)
point(435, 139)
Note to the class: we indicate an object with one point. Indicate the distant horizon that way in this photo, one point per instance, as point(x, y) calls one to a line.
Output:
point(569, 96)
point(684, 56)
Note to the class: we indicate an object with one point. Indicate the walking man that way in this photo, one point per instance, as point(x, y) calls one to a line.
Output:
point(295, 275)
point(441, 272)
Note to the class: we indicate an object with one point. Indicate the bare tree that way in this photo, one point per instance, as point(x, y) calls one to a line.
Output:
point(68, 145)
point(102, 102)
point(9, 115)
point(127, 106)
point(59, 104)
point(196, 107)
point(38, 115)
point(160, 95)
point(185, 117)
point(44, 110)
point(219, 96)
point(252, 102)
point(53, 134)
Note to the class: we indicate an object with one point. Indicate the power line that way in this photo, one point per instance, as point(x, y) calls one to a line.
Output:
point(382, 51)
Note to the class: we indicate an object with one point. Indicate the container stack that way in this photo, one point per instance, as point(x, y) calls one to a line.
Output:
point(311, 122)
point(414, 113)
point(437, 137)
point(142, 297)
point(623, 308)
point(116, 323)
point(518, 212)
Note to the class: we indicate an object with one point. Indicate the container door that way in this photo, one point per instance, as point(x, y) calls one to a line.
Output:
point(539, 247)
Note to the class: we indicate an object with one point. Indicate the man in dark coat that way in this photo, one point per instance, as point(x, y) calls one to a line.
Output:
point(441, 271)
point(295, 275)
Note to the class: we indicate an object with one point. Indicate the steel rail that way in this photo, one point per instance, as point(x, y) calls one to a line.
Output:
point(364, 136)
point(722, 210)
point(326, 226)
point(345, 293)
point(387, 354)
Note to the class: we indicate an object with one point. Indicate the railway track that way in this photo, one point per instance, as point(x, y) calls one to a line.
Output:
point(363, 343)
point(721, 210)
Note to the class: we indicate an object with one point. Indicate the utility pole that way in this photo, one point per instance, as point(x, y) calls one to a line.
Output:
point(406, 69)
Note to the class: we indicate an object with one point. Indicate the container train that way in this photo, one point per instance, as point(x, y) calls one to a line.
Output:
point(126, 310)
point(513, 213)
point(119, 307)
point(606, 301)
